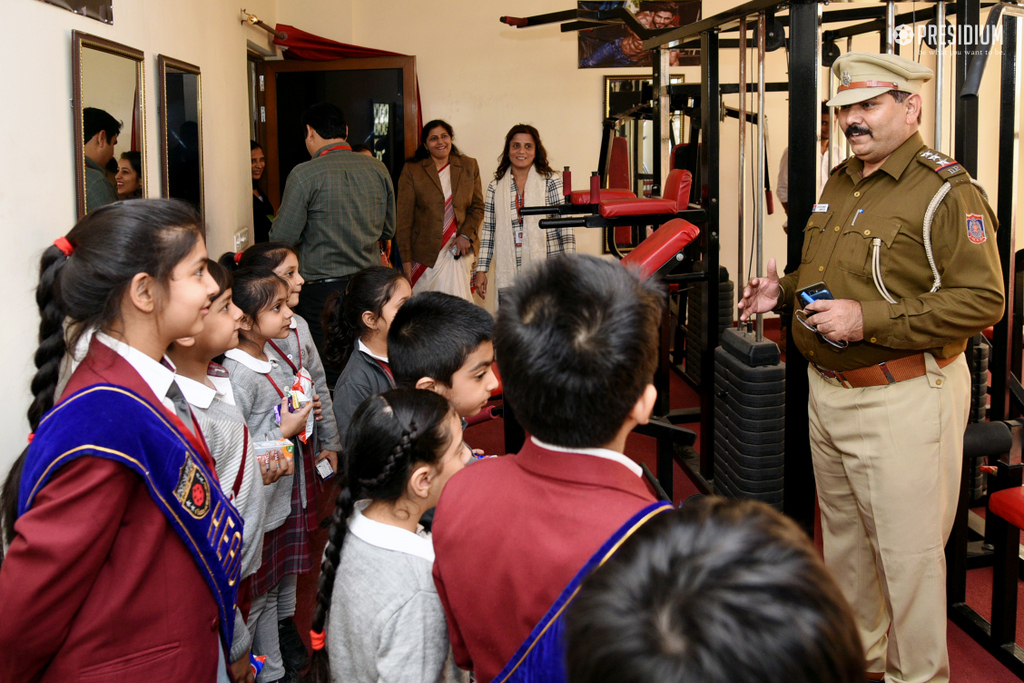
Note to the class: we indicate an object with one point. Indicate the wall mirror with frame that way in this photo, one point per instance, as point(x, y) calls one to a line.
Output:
point(181, 130)
point(110, 132)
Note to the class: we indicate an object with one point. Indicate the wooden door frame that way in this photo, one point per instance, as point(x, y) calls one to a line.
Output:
point(270, 69)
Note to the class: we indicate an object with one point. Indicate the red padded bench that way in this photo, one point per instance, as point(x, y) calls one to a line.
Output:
point(674, 197)
point(658, 252)
point(583, 196)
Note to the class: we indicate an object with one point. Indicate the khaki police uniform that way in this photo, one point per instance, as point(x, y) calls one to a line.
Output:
point(887, 414)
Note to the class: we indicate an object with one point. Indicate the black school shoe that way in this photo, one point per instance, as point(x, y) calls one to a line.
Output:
point(293, 650)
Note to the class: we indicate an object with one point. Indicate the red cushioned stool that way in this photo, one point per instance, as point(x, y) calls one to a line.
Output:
point(1003, 523)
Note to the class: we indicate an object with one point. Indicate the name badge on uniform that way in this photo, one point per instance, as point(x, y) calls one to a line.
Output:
point(519, 238)
point(820, 208)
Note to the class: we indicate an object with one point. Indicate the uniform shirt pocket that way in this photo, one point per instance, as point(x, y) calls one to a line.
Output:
point(856, 243)
point(814, 235)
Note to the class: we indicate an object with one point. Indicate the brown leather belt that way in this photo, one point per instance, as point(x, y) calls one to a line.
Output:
point(888, 372)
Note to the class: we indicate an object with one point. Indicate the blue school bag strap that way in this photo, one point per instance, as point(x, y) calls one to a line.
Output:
point(111, 422)
point(541, 657)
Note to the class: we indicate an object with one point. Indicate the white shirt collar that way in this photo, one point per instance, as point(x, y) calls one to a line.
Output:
point(200, 395)
point(158, 376)
point(251, 362)
point(597, 452)
point(293, 323)
point(366, 349)
point(389, 537)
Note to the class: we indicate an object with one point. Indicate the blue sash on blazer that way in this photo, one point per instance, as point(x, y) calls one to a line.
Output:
point(541, 657)
point(109, 421)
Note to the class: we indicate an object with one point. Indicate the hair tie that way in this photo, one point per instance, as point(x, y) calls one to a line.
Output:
point(63, 244)
point(316, 640)
point(238, 256)
point(31, 435)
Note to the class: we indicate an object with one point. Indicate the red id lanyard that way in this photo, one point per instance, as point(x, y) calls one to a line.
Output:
point(285, 357)
point(334, 148)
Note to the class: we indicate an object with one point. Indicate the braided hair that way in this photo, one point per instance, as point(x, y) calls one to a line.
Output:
point(342, 320)
point(388, 436)
point(83, 289)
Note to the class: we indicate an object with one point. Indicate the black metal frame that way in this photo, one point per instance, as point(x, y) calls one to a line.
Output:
point(805, 41)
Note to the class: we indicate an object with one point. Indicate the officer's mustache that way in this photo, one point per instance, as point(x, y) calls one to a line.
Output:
point(856, 130)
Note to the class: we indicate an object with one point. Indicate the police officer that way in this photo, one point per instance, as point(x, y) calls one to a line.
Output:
point(889, 385)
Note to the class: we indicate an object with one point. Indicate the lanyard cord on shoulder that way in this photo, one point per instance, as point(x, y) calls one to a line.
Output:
point(285, 357)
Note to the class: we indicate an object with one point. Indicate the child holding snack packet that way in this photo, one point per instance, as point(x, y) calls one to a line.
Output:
point(376, 595)
point(298, 352)
point(356, 337)
point(261, 388)
point(206, 387)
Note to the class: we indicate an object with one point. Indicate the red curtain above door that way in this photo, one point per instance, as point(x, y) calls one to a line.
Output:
point(309, 47)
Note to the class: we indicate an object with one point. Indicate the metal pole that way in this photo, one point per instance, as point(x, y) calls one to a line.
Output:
point(759, 215)
point(940, 41)
point(846, 143)
point(831, 132)
point(740, 277)
point(888, 42)
point(663, 149)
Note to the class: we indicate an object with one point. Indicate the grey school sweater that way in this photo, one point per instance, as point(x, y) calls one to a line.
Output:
point(386, 622)
point(223, 428)
point(256, 398)
point(327, 428)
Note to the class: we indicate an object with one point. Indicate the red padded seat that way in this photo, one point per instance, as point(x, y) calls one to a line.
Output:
point(675, 197)
point(614, 208)
point(497, 391)
point(583, 196)
point(661, 247)
point(1008, 504)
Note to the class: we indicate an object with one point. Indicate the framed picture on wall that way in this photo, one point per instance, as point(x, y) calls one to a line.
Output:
point(616, 45)
point(100, 10)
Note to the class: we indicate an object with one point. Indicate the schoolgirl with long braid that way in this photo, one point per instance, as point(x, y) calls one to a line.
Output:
point(376, 596)
point(123, 559)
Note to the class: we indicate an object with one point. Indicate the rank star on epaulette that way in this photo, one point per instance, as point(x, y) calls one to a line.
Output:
point(976, 228)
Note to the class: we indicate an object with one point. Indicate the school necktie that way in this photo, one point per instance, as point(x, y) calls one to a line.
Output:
point(180, 406)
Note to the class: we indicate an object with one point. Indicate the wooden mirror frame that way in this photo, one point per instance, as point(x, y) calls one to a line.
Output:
point(163, 62)
point(82, 40)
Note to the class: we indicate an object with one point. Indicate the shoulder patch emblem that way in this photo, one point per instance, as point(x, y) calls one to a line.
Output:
point(193, 490)
point(976, 228)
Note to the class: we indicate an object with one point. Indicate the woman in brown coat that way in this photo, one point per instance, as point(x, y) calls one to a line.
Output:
point(440, 209)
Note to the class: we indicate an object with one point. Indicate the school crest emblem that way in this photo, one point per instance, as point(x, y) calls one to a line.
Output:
point(193, 489)
point(975, 228)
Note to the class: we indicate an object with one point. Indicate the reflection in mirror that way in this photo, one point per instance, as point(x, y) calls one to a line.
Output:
point(181, 138)
point(109, 98)
point(100, 10)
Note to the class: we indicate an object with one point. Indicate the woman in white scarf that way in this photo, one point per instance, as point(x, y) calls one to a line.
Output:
point(513, 241)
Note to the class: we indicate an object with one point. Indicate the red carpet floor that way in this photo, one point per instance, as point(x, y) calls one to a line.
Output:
point(969, 662)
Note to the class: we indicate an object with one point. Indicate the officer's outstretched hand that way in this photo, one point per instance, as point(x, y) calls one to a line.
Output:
point(761, 294)
point(839, 320)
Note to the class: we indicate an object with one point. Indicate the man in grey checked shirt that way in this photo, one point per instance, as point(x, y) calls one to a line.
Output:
point(335, 209)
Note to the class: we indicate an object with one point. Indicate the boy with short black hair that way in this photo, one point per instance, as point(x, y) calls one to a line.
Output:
point(442, 343)
point(718, 591)
point(577, 342)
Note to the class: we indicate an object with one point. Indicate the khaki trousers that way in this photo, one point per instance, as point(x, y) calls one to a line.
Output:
point(887, 464)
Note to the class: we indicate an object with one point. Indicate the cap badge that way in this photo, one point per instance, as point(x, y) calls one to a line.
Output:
point(845, 79)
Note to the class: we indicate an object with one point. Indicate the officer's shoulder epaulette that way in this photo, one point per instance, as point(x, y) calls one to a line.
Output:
point(841, 164)
point(949, 169)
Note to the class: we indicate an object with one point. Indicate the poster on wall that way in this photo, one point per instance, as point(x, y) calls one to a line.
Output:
point(100, 10)
point(616, 46)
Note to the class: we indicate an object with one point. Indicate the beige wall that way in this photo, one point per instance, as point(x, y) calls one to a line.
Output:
point(480, 75)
